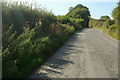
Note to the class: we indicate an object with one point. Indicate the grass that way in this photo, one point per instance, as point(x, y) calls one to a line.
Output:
point(114, 35)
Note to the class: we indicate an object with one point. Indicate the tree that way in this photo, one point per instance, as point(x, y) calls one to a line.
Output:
point(81, 12)
point(105, 17)
point(116, 15)
point(70, 8)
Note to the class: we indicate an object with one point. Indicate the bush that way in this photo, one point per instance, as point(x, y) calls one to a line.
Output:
point(76, 22)
point(24, 14)
point(24, 49)
point(95, 23)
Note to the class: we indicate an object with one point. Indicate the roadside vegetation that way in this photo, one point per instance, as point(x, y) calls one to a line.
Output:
point(107, 25)
point(30, 34)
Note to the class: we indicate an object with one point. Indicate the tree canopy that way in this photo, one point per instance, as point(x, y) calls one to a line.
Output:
point(70, 8)
point(80, 11)
point(116, 14)
point(105, 17)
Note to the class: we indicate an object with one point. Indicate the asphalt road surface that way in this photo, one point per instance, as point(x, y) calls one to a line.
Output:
point(87, 54)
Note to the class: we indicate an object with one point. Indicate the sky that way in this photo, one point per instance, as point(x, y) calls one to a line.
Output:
point(97, 8)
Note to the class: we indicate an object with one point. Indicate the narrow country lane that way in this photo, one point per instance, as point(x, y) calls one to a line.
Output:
point(87, 54)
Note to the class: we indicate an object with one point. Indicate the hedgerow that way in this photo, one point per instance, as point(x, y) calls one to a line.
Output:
point(30, 35)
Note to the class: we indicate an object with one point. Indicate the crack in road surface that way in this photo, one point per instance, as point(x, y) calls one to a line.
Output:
point(87, 54)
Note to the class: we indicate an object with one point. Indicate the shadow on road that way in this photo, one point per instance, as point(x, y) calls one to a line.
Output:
point(52, 67)
point(57, 61)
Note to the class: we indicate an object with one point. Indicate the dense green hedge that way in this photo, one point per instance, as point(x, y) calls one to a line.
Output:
point(78, 23)
point(24, 14)
point(30, 34)
point(24, 53)
point(96, 23)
